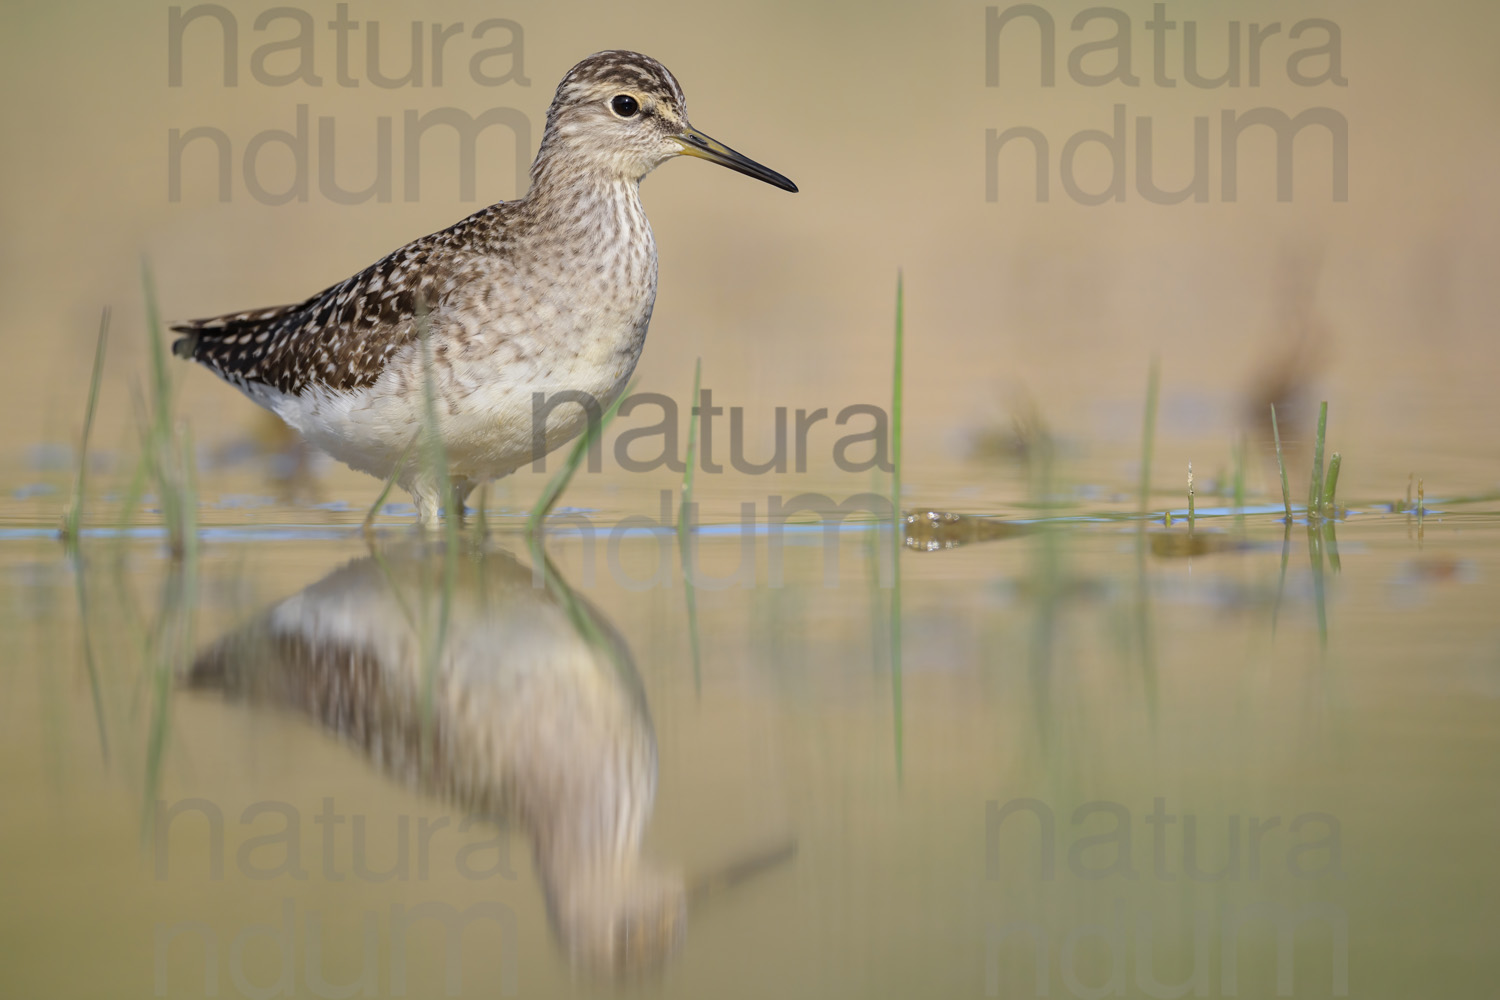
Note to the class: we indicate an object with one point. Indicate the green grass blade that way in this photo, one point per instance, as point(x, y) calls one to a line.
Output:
point(1192, 506)
point(684, 533)
point(159, 452)
point(583, 622)
point(187, 493)
point(168, 652)
point(390, 481)
point(402, 604)
point(1331, 488)
point(91, 664)
point(166, 459)
point(156, 743)
point(135, 489)
point(1286, 552)
point(1143, 633)
point(898, 375)
point(1315, 489)
point(1320, 599)
point(690, 595)
point(560, 479)
point(1331, 547)
point(161, 381)
point(73, 518)
point(1286, 491)
point(1148, 432)
point(898, 524)
point(692, 457)
point(1239, 477)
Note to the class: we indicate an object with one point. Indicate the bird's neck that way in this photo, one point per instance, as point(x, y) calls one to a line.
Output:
point(568, 183)
point(598, 212)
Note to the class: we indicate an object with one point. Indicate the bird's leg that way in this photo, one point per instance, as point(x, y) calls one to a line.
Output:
point(429, 500)
point(461, 490)
point(429, 505)
point(481, 525)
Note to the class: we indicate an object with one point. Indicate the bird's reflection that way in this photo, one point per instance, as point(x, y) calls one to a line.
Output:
point(530, 709)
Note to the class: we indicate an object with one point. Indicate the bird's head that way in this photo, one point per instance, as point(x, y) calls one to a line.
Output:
point(623, 927)
point(625, 114)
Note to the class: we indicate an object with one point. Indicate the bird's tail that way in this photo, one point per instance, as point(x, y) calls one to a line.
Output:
point(187, 344)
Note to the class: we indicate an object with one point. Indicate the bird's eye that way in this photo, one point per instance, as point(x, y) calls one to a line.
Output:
point(624, 105)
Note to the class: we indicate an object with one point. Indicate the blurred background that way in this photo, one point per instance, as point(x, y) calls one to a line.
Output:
point(1383, 302)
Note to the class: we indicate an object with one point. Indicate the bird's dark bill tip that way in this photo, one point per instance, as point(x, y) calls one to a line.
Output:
point(695, 143)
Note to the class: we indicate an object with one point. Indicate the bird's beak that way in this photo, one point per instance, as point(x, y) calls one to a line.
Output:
point(695, 143)
point(711, 882)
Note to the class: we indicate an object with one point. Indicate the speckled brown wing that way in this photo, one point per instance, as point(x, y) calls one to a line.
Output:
point(227, 344)
point(341, 338)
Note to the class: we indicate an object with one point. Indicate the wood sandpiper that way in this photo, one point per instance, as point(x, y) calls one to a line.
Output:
point(521, 720)
point(550, 293)
point(527, 718)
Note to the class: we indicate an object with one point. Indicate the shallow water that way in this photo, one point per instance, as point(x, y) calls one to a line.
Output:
point(1102, 755)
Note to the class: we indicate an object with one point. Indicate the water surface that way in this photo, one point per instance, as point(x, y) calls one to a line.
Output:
point(1106, 755)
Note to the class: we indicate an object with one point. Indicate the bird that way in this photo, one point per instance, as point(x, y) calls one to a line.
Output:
point(531, 714)
point(523, 718)
point(544, 298)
